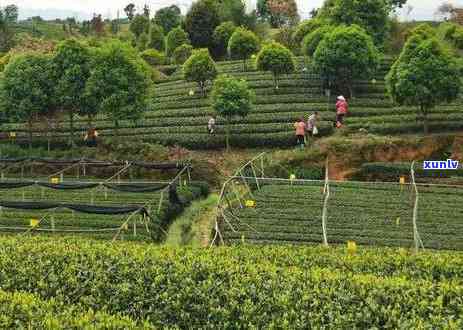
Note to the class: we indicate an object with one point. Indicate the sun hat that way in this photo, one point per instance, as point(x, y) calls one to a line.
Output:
point(341, 98)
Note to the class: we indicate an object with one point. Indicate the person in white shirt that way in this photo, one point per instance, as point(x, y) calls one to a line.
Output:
point(211, 125)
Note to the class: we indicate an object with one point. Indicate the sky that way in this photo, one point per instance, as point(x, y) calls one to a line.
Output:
point(48, 9)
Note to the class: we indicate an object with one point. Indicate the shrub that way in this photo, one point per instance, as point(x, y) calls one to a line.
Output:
point(312, 40)
point(200, 68)
point(157, 40)
point(276, 59)
point(175, 38)
point(153, 57)
point(182, 53)
point(222, 35)
point(242, 44)
point(304, 28)
point(201, 21)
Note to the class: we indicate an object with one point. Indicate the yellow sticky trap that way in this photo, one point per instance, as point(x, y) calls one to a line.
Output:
point(242, 239)
point(34, 223)
point(397, 221)
point(55, 180)
point(192, 92)
point(250, 203)
point(12, 134)
point(351, 247)
point(402, 180)
point(125, 226)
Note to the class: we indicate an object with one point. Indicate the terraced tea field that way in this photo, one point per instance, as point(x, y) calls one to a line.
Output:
point(64, 221)
point(369, 214)
point(176, 117)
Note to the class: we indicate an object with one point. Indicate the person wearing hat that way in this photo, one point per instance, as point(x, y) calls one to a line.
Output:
point(342, 108)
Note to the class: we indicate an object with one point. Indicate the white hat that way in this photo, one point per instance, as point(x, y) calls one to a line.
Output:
point(341, 98)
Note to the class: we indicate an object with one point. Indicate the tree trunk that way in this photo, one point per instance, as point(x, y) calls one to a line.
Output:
point(425, 120)
point(244, 65)
point(227, 135)
point(116, 131)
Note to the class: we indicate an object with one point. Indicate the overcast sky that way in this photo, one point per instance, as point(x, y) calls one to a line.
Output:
point(422, 9)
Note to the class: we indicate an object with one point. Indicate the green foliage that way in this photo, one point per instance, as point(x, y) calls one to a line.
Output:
point(142, 42)
point(425, 75)
point(371, 15)
point(278, 13)
point(277, 59)
point(182, 53)
point(8, 19)
point(312, 40)
point(242, 44)
point(261, 288)
point(157, 40)
point(222, 35)
point(26, 87)
point(153, 57)
point(4, 59)
point(452, 33)
point(346, 54)
point(200, 68)
point(285, 37)
point(140, 24)
point(201, 21)
point(231, 97)
point(306, 27)
point(168, 18)
point(120, 83)
point(175, 38)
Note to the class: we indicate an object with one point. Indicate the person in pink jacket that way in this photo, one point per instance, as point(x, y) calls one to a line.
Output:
point(300, 128)
point(342, 109)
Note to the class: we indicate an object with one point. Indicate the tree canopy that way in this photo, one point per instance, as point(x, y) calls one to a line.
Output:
point(278, 12)
point(174, 39)
point(140, 24)
point(312, 40)
point(201, 21)
point(346, 54)
point(120, 83)
point(425, 75)
point(231, 97)
point(277, 59)
point(242, 44)
point(222, 35)
point(157, 40)
point(168, 18)
point(200, 68)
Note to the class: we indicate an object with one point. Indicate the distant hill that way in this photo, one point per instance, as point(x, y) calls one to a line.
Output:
point(52, 14)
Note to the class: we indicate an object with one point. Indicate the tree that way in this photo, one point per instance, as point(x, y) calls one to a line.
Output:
point(371, 15)
point(168, 18)
point(277, 59)
point(231, 97)
point(8, 17)
point(71, 64)
point(120, 83)
point(304, 28)
point(278, 12)
point(233, 11)
point(146, 11)
point(425, 75)
point(346, 54)
point(242, 44)
point(174, 39)
point(97, 24)
point(201, 21)
point(130, 11)
point(313, 39)
point(200, 68)
point(26, 89)
point(446, 10)
point(222, 35)
point(157, 40)
point(182, 53)
point(153, 57)
point(142, 42)
point(140, 24)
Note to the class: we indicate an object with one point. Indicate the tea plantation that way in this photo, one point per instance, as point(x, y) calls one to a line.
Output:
point(377, 214)
point(176, 117)
point(131, 285)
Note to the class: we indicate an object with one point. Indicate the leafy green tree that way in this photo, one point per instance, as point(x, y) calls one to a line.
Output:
point(278, 12)
point(168, 18)
point(157, 40)
point(130, 11)
point(313, 39)
point(120, 83)
point(231, 97)
point(174, 39)
point(26, 89)
point(8, 17)
point(277, 59)
point(425, 75)
point(233, 11)
point(242, 44)
point(200, 68)
point(182, 53)
point(201, 21)
point(72, 70)
point(346, 54)
point(143, 41)
point(140, 24)
point(222, 35)
point(304, 28)
point(371, 15)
